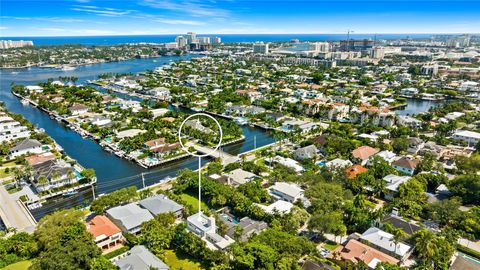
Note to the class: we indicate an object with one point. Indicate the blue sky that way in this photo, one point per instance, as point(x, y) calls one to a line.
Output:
point(148, 17)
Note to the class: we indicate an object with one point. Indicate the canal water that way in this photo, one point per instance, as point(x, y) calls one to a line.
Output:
point(112, 172)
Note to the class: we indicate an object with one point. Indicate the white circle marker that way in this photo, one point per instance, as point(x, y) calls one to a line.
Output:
point(200, 155)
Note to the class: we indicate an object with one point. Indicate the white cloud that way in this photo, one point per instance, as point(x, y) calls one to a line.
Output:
point(3, 27)
point(47, 19)
point(50, 29)
point(108, 12)
point(182, 22)
point(193, 8)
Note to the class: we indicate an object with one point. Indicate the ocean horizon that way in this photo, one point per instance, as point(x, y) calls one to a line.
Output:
point(226, 38)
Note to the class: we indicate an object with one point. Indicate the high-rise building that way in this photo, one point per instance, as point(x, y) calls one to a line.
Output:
point(191, 37)
point(203, 40)
point(356, 44)
point(181, 41)
point(378, 52)
point(260, 47)
point(7, 44)
point(217, 40)
point(320, 47)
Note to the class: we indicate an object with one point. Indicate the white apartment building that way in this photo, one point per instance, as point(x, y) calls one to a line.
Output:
point(7, 44)
point(261, 48)
point(470, 137)
point(11, 129)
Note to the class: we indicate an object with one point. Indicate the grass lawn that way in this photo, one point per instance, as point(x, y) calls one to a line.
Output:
point(3, 174)
point(193, 201)
point(330, 245)
point(23, 265)
point(172, 260)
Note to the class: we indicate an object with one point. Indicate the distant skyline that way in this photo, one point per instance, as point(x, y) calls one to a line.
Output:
point(157, 17)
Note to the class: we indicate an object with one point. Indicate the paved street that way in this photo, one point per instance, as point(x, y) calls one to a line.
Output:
point(13, 214)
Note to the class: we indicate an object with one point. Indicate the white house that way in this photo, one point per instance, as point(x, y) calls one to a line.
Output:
point(470, 137)
point(385, 242)
point(393, 181)
point(286, 191)
point(205, 228)
point(27, 146)
point(281, 207)
point(11, 129)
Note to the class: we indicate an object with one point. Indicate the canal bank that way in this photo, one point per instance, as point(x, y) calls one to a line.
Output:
point(112, 172)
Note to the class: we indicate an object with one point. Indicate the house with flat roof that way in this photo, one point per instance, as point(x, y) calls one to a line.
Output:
point(161, 204)
point(204, 227)
point(384, 242)
point(140, 258)
point(470, 137)
point(129, 217)
point(105, 233)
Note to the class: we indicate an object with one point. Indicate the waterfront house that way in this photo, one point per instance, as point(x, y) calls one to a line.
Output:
point(409, 92)
point(385, 242)
point(129, 133)
point(287, 162)
point(160, 93)
point(51, 174)
point(393, 181)
point(470, 137)
point(162, 204)
point(140, 258)
point(27, 146)
point(34, 89)
point(11, 129)
point(249, 227)
point(196, 124)
point(406, 165)
point(204, 227)
point(78, 109)
point(106, 234)
point(129, 218)
point(307, 152)
point(286, 191)
point(354, 251)
point(39, 158)
point(363, 153)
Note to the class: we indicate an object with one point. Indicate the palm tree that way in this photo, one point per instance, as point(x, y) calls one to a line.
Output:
point(398, 236)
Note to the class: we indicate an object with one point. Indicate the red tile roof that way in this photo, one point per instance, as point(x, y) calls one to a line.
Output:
point(101, 225)
point(354, 170)
point(356, 251)
point(364, 152)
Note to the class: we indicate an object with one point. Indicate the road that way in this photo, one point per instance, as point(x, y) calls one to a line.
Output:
point(13, 214)
point(226, 157)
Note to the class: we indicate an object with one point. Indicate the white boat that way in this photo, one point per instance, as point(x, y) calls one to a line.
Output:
point(67, 68)
point(241, 121)
point(25, 102)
